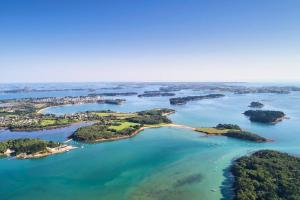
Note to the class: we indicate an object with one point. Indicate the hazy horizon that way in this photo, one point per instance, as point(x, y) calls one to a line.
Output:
point(149, 41)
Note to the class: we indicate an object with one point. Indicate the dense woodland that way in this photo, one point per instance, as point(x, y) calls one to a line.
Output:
point(264, 116)
point(99, 131)
point(256, 104)
point(228, 126)
point(245, 135)
point(267, 175)
point(184, 100)
point(28, 146)
point(235, 131)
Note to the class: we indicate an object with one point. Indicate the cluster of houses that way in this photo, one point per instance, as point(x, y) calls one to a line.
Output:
point(66, 100)
point(18, 120)
point(22, 112)
point(52, 101)
point(31, 120)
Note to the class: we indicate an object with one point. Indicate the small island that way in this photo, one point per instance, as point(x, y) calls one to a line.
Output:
point(256, 104)
point(156, 94)
point(114, 126)
point(112, 101)
point(266, 174)
point(32, 148)
point(265, 116)
point(232, 130)
point(184, 100)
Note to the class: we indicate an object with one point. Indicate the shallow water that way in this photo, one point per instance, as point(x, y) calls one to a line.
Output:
point(162, 163)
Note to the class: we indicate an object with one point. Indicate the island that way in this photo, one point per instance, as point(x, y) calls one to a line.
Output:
point(232, 130)
point(156, 94)
point(256, 104)
point(184, 100)
point(112, 101)
point(114, 126)
point(265, 116)
point(266, 174)
point(32, 148)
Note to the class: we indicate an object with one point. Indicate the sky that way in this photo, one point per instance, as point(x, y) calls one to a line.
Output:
point(149, 40)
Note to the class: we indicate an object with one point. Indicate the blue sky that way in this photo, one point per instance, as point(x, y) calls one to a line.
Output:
point(149, 40)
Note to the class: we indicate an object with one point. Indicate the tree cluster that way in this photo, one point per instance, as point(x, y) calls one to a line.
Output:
point(267, 175)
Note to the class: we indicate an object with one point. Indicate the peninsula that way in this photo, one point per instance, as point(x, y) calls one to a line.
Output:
point(184, 100)
point(232, 130)
point(113, 126)
point(265, 116)
point(24, 114)
point(266, 174)
point(32, 148)
point(29, 105)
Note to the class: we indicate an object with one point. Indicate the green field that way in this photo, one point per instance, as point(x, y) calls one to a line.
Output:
point(118, 115)
point(211, 130)
point(123, 125)
point(51, 122)
point(47, 122)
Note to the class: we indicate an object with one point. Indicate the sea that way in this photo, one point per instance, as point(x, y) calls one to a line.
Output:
point(167, 163)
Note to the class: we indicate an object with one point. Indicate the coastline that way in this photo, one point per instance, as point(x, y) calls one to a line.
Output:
point(280, 119)
point(241, 134)
point(50, 151)
point(48, 128)
point(41, 129)
point(142, 129)
point(41, 111)
point(120, 137)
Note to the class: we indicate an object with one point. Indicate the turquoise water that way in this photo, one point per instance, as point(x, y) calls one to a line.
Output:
point(162, 163)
